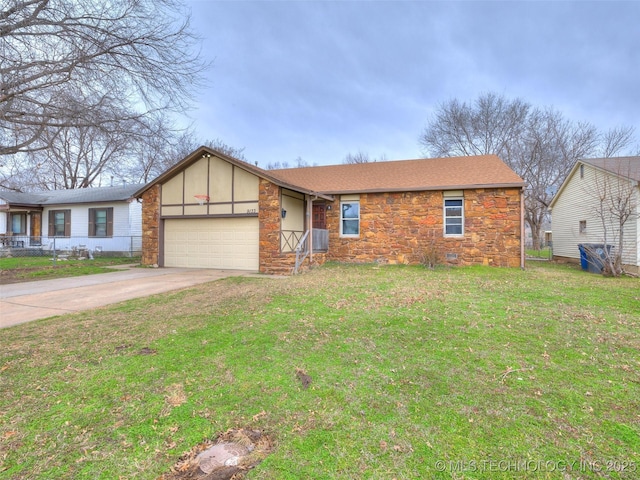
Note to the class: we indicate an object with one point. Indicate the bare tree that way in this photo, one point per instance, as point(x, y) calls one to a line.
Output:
point(87, 64)
point(616, 140)
point(487, 126)
point(235, 152)
point(89, 156)
point(157, 147)
point(86, 156)
point(299, 163)
point(278, 165)
point(543, 154)
point(358, 157)
point(153, 158)
point(616, 195)
point(13, 174)
point(77, 157)
point(539, 144)
point(362, 157)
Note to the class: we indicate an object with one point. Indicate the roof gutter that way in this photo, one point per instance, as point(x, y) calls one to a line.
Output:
point(22, 206)
point(425, 189)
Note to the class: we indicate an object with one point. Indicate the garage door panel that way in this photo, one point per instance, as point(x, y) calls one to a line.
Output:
point(229, 243)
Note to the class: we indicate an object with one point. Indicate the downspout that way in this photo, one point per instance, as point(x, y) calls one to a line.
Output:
point(522, 233)
point(310, 227)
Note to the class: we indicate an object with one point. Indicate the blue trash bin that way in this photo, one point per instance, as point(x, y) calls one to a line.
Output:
point(595, 256)
point(584, 263)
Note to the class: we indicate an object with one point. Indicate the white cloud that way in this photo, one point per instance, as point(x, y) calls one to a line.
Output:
point(322, 79)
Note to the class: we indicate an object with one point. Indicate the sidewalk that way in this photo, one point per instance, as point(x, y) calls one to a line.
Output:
point(28, 301)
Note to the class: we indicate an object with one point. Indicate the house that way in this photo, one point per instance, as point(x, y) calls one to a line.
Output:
point(587, 209)
point(212, 210)
point(103, 219)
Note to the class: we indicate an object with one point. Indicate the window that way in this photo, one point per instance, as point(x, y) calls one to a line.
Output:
point(581, 171)
point(583, 226)
point(59, 223)
point(101, 222)
point(350, 219)
point(19, 223)
point(453, 216)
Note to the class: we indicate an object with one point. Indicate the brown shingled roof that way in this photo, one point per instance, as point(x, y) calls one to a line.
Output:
point(405, 175)
point(624, 166)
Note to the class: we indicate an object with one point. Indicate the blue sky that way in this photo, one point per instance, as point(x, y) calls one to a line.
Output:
point(320, 79)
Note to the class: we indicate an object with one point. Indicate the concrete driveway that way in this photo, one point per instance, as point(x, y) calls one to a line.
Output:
point(24, 302)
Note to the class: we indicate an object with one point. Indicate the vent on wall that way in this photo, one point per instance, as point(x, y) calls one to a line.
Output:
point(452, 256)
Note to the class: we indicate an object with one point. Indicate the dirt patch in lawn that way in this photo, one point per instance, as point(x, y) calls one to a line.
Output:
point(228, 457)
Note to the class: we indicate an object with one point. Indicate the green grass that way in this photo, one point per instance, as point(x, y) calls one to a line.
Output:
point(43, 268)
point(416, 373)
point(542, 253)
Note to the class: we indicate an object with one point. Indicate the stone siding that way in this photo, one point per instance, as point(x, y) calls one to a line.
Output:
point(151, 226)
point(406, 228)
point(271, 261)
point(395, 228)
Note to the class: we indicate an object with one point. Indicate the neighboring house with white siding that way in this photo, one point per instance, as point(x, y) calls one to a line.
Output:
point(589, 205)
point(100, 219)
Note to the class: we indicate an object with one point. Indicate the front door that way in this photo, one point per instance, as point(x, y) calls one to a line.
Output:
point(35, 228)
point(319, 216)
point(36, 224)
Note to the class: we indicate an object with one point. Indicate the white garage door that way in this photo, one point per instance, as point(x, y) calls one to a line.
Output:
point(228, 243)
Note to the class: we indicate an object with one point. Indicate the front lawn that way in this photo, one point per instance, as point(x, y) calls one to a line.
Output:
point(542, 253)
point(474, 373)
point(24, 269)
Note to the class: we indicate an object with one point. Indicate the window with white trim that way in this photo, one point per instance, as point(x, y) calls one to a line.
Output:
point(350, 218)
point(453, 217)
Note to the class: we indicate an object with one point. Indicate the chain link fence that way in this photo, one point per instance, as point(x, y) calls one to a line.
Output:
point(70, 247)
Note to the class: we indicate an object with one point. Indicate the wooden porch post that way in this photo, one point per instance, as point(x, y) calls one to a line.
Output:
point(310, 223)
point(522, 230)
